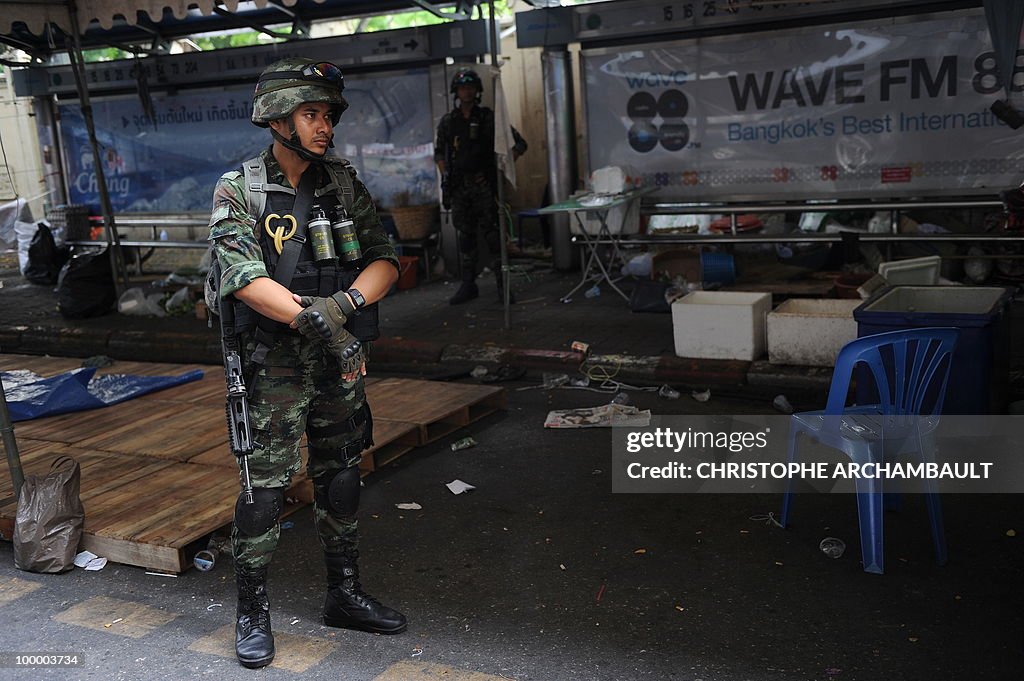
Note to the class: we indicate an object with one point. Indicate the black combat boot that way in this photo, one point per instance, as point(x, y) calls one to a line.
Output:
point(254, 643)
point(467, 292)
point(348, 606)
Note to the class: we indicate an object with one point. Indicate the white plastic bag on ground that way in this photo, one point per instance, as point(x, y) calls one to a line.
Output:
point(24, 232)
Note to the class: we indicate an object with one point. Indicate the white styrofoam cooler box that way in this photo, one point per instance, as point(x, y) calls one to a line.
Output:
point(810, 332)
point(721, 324)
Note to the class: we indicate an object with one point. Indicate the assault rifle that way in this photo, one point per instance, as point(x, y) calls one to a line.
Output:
point(239, 430)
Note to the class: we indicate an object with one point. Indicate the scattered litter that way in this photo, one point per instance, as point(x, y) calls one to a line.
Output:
point(744, 531)
point(464, 443)
point(701, 396)
point(668, 392)
point(478, 372)
point(205, 559)
point(295, 621)
point(551, 380)
point(581, 381)
point(600, 594)
point(96, 564)
point(832, 547)
point(1011, 533)
point(409, 506)
point(778, 562)
point(782, 404)
point(768, 519)
point(458, 487)
point(561, 566)
point(680, 608)
point(592, 292)
point(566, 300)
point(605, 416)
point(287, 525)
point(161, 574)
point(580, 346)
point(620, 398)
point(913, 639)
point(640, 552)
point(211, 606)
point(417, 651)
point(82, 559)
point(112, 623)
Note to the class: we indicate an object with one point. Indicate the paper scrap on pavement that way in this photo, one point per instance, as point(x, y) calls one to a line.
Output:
point(605, 416)
point(82, 559)
point(458, 487)
point(95, 564)
point(412, 506)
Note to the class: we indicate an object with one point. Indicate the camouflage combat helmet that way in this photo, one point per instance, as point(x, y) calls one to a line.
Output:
point(467, 77)
point(287, 83)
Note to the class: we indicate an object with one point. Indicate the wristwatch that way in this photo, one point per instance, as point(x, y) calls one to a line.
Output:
point(357, 297)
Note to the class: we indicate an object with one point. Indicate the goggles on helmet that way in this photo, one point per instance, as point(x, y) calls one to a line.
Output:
point(319, 72)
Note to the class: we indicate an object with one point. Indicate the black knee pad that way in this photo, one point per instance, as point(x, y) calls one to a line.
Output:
point(256, 518)
point(338, 494)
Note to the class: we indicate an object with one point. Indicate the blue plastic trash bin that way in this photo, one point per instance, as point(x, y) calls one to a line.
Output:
point(980, 373)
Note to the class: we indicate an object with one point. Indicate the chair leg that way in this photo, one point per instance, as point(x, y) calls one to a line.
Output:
point(926, 446)
point(869, 513)
point(787, 498)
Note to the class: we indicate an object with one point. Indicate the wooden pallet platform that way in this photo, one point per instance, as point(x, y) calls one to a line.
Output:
point(157, 475)
point(436, 408)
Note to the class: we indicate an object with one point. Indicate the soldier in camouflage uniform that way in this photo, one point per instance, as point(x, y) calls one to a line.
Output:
point(305, 364)
point(464, 153)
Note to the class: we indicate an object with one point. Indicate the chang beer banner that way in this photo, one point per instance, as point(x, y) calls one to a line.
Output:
point(171, 164)
point(855, 110)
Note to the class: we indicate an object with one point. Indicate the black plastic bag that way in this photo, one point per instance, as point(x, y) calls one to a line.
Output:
point(50, 517)
point(86, 285)
point(45, 260)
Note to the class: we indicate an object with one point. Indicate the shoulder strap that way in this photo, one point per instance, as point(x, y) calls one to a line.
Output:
point(256, 186)
point(340, 184)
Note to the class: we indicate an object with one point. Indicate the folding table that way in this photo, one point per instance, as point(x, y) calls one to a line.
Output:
point(599, 205)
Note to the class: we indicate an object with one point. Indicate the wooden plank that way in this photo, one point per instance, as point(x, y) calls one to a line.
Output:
point(436, 408)
point(177, 433)
point(391, 439)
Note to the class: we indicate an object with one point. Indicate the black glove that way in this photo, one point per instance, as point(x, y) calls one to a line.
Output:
point(324, 318)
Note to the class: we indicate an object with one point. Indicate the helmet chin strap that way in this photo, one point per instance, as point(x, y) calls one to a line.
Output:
point(294, 145)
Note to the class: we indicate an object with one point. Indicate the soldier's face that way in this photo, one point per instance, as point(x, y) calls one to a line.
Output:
point(466, 93)
point(312, 125)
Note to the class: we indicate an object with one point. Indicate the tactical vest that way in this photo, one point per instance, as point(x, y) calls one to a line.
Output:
point(311, 278)
point(471, 143)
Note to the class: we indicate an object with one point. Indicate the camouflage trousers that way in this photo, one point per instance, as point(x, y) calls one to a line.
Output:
point(474, 211)
point(299, 390)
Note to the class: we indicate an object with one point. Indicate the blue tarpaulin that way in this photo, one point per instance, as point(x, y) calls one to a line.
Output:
point(30, 396)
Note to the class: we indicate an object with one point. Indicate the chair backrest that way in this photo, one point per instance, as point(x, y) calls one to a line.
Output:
point(910, 369)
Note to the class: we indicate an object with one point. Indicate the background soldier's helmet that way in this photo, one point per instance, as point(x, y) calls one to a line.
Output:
point(467, 77)
point(286, 84)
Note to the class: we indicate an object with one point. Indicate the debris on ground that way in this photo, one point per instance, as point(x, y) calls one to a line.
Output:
point(832, 547)
point(409, 506)
point(781, 404)
point(458, 487)
point(604, 416)
point(668, 392)
point(463, 443)
point(701, 396)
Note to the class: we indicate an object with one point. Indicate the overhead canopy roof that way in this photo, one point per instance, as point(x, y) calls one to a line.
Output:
point(40, 27)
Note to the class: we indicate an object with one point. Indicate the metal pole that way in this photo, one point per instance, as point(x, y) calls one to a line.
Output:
point(558, 106)
point(495, 83)
point(78, 67)
point(10, 445)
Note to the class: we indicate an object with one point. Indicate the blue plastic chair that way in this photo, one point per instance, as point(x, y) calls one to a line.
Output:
point(910, 370)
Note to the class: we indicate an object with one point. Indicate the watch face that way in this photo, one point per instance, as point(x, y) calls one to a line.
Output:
point(357, 297)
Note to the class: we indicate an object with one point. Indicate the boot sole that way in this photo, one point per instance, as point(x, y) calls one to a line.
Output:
point(345, 624)
point(256, 664)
